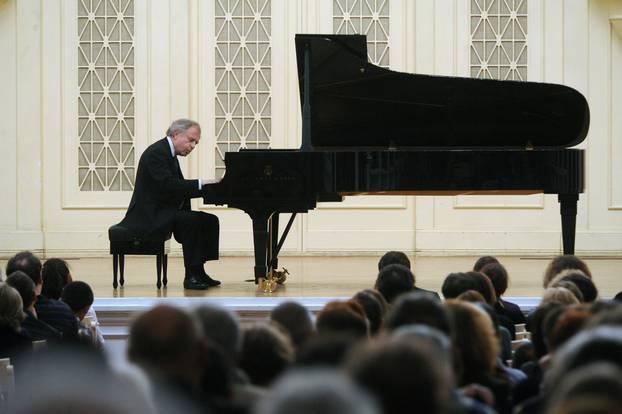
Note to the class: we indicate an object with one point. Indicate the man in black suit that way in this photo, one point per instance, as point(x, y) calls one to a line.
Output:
point(161, 203)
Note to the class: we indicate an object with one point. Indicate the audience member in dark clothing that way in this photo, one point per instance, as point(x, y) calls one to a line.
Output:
point(34, 328)
point(14, 342)
point(57, 314)
point(498, 275)
point(400, 258)
point(394, 280)
point(327, 350)
point(51, 311)
point(167, 344)
point(79, 296)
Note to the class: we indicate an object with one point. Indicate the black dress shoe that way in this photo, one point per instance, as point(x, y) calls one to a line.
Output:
point(210, 282)
point(195, 282)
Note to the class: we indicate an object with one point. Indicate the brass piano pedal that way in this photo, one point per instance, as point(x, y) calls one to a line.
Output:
point(267, 285)
point(280, 276)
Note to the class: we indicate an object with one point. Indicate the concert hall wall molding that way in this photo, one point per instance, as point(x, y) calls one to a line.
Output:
point(87, 85)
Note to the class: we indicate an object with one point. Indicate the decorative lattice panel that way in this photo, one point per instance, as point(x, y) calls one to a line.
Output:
point(243, 77)
point(499, 39)
point(369, 17)
point(106, 95)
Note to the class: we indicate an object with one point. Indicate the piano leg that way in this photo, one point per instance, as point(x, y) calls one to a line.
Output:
point(568, 211)
point(260, 242)
point(273, 260)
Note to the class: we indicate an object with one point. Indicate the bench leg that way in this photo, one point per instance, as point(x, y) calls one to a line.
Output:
point(159, 267)
point(164, 266)
point(115, 268)
point(122, 263)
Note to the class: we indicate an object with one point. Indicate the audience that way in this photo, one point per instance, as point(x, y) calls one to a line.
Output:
point(500, 281)
point(51, 311)
point(417, 354)
point(14, 342)
point(400, 258)
point(36, 329)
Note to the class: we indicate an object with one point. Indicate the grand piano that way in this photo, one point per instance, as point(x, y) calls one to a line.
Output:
point(369, 130)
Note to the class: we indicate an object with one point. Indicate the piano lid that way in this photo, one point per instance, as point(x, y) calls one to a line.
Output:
point(353, 103)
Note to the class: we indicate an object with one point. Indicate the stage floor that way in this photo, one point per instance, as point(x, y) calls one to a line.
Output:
point(313, 276)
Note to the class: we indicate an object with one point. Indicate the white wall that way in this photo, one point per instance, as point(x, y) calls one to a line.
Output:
point(577, 43)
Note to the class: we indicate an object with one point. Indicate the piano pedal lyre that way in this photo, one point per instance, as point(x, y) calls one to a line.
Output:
point(275, 278)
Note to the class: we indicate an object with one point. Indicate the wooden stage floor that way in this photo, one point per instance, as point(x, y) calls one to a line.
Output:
point(319, 276)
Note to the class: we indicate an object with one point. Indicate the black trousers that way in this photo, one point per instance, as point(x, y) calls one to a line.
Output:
point(198, 234)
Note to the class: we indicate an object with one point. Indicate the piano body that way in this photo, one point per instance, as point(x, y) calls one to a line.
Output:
point(369, 130)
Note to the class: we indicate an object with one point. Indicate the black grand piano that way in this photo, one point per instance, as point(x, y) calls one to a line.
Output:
point(370, 130)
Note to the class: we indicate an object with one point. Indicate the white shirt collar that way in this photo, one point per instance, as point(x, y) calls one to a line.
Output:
point(170, 144)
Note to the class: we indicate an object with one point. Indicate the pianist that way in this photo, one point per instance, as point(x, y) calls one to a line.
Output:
point(160, 203)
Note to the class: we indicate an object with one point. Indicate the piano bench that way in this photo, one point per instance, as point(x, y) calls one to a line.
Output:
point(123, 242)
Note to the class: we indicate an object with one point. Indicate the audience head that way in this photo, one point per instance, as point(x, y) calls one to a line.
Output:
point(316, 391)
point(167, 341)
point(385, 369)
point(295, 319)
point(393, 280)
point(458, 283)
point(221, 327)
point(474, 341)
point(584, 284)
point(568, 285)
point(498, 276)
point(343, 317)
point(327, 350)
point(618, 296)
point(596, 388)
point(418, 308)
point(266, 353)
point(27, 263)
point(11, 308)
point(559, 295)
point(567, 261)
point(79, 296)
point(602, 344)
point(374, 306)
point(483, 261)
point(55, 274)
point(393, 257)
point(472, 296)
point(25, 286)
point(568, 324)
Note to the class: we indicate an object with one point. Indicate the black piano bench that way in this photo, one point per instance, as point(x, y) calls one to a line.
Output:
point(123, 241)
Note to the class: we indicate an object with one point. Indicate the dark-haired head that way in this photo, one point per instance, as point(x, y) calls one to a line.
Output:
point(585, 284)
point(483, 261)
point(21, 282)
point(56, 276)
point(28, 263)
point(498, 276)
point(393, 257)
point(457, 283)
point(79, 296)
point(418, 308)
point(393, 280)
point(374, 309)
point(567, 261)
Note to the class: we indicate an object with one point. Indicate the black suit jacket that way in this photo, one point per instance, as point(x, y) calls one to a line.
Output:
point(159, 191)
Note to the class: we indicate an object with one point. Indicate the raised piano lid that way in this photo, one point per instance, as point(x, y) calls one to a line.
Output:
point(354, 103)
